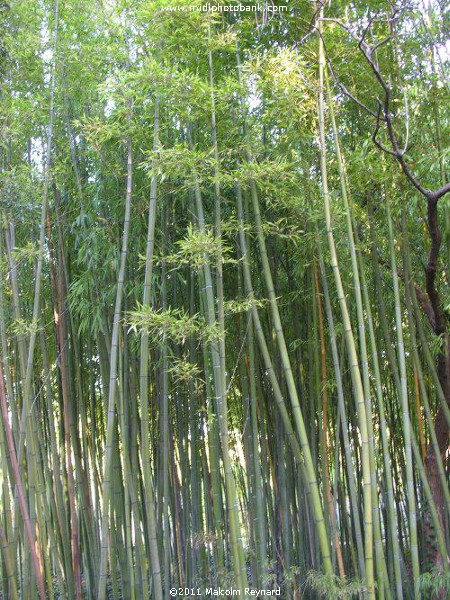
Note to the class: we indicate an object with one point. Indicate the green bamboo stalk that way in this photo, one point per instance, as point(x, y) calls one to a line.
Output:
point(214, 465)
point(300, 451)
point(61, 329)
point(287, 369)
point(9, 583)
point(349, 338)
point(60, 506)
point(393, 530)
point(164, 428)
point(130, 582)
point(6, 543)
point(405, 412)
point(325, 433)
point(221, 408)
point(37, 566)
point(292, 390)
point(260, 528)
point(149, 501)
point(342, 414)
point(217, 213)
point(110, 423)
point(261, 336)
point(383, 584)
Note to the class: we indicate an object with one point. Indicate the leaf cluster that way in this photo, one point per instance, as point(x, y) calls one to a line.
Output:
point(183, 371)
point(197, 247)
point(232, 307)
point(172, 324)
point(332, 587)
point(435, 584)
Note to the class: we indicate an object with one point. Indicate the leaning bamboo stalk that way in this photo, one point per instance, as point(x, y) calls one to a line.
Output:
point(299, 422)
point(10, 243)
point(40, 259)
point(27, 427)
point(37, 566)
point(268, 364)
point(393, 529)
point(342, 413)
point(358, 390)
point(6, 543)
point(382, 579)
point(262, 343)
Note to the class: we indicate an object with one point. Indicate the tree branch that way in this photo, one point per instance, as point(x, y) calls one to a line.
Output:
point(383, 113)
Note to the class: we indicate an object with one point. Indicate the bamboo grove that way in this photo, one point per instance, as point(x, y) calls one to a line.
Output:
point(224, 299)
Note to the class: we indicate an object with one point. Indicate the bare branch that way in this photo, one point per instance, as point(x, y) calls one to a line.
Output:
point(381, 43)
point(383, 113)
point(342, 86)
point(367, 28)
point(365, 49)
point(377, 129)
point(396, 151)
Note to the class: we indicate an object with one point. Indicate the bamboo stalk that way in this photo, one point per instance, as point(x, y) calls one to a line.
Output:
point(37, 565)
point(111, 408)
point(349, 338)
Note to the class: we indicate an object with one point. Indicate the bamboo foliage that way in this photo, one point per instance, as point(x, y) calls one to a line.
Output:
point(224, 347)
